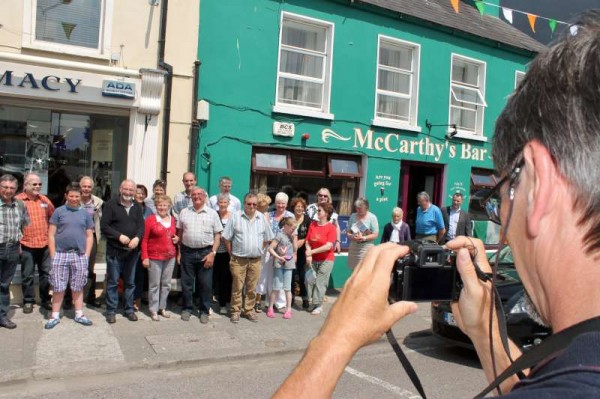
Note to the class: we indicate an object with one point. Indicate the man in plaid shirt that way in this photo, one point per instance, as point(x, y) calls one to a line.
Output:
point(34, 244)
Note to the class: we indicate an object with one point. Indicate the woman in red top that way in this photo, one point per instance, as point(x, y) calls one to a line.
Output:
point(319, 244)
point(158, 255)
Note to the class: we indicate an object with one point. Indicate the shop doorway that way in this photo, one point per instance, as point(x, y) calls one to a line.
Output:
point(414, 178)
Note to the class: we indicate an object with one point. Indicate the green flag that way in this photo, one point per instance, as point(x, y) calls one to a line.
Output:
point(552, 23)
point(480, 6)
point(68, 29)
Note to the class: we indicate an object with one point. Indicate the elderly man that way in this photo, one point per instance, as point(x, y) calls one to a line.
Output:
point(324, 197)
point(13, 217)
point(246, 235)
point(183, 199)
point(429, 222)
point(122, 224)
point(456, 221)
point(93, 206)
point(551, 219)
point(225, 188)
point(34, 244)
point(199, 230)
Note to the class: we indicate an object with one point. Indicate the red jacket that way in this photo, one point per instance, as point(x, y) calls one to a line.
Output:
point(157, 243)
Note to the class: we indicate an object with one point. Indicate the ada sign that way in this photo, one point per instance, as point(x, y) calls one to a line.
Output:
point(115, 88)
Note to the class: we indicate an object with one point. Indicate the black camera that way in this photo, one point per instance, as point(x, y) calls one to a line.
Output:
point(427, 273)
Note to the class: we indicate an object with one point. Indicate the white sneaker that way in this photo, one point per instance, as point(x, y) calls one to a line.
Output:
point(317, 310)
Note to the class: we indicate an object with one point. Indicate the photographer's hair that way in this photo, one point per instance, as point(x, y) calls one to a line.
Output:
point(424, 195)
point(289, 221)
point(328, 208)
point(361, 202)
point(557, 104)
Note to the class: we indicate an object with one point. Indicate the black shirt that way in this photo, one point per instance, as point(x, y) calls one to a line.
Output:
point(116, 221)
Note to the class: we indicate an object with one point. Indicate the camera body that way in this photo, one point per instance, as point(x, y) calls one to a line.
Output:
point(427, 273)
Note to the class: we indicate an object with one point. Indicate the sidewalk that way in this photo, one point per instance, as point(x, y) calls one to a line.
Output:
point(31, 352)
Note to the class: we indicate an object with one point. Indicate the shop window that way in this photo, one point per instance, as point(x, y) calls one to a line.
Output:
point(303, 74)
point(397, 83)
point(467, 96)
point(306, 174)
point(81, 27)
point(482, 181)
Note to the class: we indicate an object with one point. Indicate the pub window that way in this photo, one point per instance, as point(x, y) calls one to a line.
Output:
point(482, 181)
point(303, 173)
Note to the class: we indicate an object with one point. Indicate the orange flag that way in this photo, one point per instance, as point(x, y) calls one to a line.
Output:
point(532, 19)
point(455, 5)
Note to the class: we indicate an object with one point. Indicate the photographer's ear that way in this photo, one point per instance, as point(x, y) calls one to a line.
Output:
point(540, 176)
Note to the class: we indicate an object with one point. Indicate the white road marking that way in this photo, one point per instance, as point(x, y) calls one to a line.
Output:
point(385, 385)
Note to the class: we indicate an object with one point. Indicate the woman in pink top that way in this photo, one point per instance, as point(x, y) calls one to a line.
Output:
point(158, 255)
point(319, 244)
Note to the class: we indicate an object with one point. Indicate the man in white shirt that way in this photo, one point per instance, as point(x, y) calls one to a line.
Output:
point(225, 188)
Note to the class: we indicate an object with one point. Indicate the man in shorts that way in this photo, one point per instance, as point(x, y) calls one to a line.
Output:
point(70, 241)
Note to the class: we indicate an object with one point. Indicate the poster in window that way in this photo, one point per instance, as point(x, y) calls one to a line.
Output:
point(37, 150)
point(102, 143)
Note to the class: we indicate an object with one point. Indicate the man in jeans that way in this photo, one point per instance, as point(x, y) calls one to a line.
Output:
point(199, 229)
point(34, 244)
point(246, 235)
point(13, 217)
point(122, 224)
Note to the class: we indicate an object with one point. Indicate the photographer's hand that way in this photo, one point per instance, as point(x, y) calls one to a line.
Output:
point(360, 316)
point(472, 311)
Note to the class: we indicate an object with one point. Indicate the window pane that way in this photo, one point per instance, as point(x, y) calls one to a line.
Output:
point(465, 72)
point(75, 23)
point(394, 81)
point(302, 161)
point(297, 92)
point(483, 180)
point(304, 36)
point(302, 64)
point(467, 95)
point(464, 118)
point(344, 166)
point(271, 161)
point(393, 107)
point(395, 56)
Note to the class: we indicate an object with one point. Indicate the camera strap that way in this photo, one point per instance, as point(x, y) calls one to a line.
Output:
point(410, 371)
point(549, 349)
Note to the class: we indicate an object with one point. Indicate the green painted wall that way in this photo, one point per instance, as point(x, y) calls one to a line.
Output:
point(238, 48)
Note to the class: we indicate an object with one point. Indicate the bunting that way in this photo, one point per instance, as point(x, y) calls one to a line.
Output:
point(507, 13)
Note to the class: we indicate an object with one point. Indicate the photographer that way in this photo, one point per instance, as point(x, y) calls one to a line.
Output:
point(546, 147)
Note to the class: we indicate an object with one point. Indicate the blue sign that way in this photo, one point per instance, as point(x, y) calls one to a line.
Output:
point(344, 240)
point(115, 88)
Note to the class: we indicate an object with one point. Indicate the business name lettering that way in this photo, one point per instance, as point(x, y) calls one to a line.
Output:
point(49, 82)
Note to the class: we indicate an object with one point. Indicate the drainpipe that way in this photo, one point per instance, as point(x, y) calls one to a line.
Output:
point(195, 128)
point(168, 88)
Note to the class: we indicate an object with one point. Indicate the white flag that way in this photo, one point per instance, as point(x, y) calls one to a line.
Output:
point(507, 12)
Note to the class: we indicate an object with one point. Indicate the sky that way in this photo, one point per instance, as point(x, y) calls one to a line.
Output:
point(562, 10)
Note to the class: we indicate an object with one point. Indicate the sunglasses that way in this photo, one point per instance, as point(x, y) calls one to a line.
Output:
point(491, 202)
point(36, 184)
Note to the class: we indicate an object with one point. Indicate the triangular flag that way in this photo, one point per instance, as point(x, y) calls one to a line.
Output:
point(455, 5)
point(552, 23)
point(508, 14)
point(480, 6)
point(532, 19)
point(68, 29)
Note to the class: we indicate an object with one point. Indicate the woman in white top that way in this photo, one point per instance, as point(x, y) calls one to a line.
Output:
point(363, 230)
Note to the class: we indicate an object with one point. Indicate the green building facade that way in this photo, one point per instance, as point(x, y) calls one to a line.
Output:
point(371, 101)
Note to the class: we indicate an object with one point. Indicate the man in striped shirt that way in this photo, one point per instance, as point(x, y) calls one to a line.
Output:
point(246, 235)
point(13, 216)
point(34, 244)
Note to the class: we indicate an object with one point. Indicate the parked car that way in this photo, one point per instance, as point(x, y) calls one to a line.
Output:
point(521, 328)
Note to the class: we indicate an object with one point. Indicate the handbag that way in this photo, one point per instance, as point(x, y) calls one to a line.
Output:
point(310, 276)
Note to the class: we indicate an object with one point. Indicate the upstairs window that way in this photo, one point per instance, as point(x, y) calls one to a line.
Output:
point(397, 83)
point(303, 74)
point(80, 27)
point(467, 96)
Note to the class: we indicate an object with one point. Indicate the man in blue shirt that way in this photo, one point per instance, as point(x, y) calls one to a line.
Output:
point(430, 223)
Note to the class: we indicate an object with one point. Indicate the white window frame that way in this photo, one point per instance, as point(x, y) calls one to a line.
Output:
point(479, 90)
point(104, 38)
point(413, 95)
point(519, 75)
point(323, 112)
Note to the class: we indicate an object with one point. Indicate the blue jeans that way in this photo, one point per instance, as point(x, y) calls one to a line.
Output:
point(9, 257)
point(117, 265)
point(193, 271)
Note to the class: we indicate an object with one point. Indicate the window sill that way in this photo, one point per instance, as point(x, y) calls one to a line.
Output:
point(395, 125)
point(462, 134)
point(70, 50)
point(302, 112)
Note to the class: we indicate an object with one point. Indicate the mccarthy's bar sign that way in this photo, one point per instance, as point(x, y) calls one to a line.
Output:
point(48, 82)
point(392, 143)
